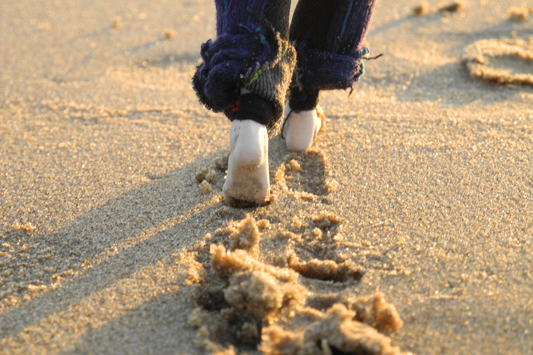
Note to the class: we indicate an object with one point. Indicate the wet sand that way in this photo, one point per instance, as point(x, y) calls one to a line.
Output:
point(415, 202)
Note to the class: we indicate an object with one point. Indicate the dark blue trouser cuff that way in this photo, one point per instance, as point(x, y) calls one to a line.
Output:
point(254, 107)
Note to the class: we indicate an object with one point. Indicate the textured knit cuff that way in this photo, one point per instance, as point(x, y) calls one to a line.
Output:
point(318, 70)
point(256, 59)
point(303, 100)
point(255, 108)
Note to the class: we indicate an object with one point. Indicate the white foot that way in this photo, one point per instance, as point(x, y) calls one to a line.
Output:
point(247, 178)
point(301, 128)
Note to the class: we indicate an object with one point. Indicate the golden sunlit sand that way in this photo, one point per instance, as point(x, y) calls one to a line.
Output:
point(407, 228)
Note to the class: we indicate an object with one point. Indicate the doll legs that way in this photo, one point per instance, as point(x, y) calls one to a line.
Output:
point(251, 66)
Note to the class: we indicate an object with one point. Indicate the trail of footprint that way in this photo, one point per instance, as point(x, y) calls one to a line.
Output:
point(245, 304)
point(501, 61)
point(282, 300)
point(317, 251)
point(306, 174)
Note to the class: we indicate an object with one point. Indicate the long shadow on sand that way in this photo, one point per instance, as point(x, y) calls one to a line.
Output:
point(451, 83)
point(169, 59)
point(121, 221)
point(128, 234)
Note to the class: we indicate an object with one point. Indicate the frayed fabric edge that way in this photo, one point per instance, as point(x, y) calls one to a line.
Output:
point(256, 59)
point(318, 70)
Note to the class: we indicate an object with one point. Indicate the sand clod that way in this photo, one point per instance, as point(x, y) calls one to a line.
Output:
point(518, 14)
point(421, 9)
point(169, 34)
point(244, 300)
point(331, 185)
point(291, 236)
point(335, 332)
point(206, 187)
point(254, 288)
point(256, 293)
point(247, 237)
point(325, 269)
point(375, 311)
point(296, 222)
point(304, 174)
point(27, 227)
point(326, 219)
point(206, 174)
point(225, 263)
point(294, 165)
point(263, 224)
point(454, 6)
point(221, 162)
point(117, 22)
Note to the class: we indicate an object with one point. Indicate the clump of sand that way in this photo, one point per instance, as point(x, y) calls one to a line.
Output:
point(480, 56)
point(246, 303)
point(326, 219)
point(169, 34)
point(27, 227)
point(325, 269)
point(254, 288)
point(246, 237)
point(206, 177)
point(519, 14)
point(332, 332)
point(206, 174)
point(205, 187)
point(454, 6)
point(221, 162)
point(421, 9)
point(315, 248)
point(372, 310)
point(294, 165)
point(323, 120)
point(117, 22)
point(263, 224)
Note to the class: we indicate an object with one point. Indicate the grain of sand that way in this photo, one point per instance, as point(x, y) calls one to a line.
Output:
point(427, 170)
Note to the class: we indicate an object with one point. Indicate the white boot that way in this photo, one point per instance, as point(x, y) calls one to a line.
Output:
point(247, 178)
point(301, 128)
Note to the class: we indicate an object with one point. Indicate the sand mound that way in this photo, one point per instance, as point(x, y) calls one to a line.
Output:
point(519, 14)
point(501, 61)
point(247, 237)
point(454, 6)
point(27, 227)
point(332, 332)
point(206, 174)
point(245, 304)
point(325, 269)
point(421, 9)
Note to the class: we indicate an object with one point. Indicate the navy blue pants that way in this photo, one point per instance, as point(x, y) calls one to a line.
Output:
point(325, 34)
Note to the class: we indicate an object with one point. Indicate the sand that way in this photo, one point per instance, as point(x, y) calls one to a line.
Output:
point(255, 303)
point(514, 54)
point(414, 207)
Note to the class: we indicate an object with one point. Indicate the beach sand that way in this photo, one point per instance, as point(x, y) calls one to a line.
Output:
point(407, 228)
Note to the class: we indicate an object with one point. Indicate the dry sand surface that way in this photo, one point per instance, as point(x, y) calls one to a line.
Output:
point(407, 228)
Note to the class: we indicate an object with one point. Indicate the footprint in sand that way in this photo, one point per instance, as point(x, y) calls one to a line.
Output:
point(303, 175)
point(506, 61)
point(288, 289)
point(306, 174)
point(244, 303)
point(316, 252)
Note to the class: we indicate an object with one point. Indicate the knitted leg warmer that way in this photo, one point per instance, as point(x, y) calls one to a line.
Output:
point(247, 53)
